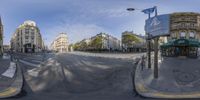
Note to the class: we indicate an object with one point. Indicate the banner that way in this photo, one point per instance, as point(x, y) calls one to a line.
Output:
point(158, 25)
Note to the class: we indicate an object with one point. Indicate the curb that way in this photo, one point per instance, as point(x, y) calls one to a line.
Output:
point(16, 87)
point(145, 91)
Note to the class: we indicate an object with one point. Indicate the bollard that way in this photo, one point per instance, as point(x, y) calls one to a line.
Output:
point(142, 63)
point(11, 57)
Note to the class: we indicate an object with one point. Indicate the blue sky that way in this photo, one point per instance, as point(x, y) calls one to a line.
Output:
point(84, 18)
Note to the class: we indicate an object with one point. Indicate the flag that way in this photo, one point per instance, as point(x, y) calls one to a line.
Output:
point(149, 10)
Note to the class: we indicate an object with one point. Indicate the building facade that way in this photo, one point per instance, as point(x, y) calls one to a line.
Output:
point(132, 42)
point(108, 42)
point(185, 25)
point(184, 34)
point(6, 48)
point(99, 42)
point(60, 44)
point(27, 38)
point(1, 37)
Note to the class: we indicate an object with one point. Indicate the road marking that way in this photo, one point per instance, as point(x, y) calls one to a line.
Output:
point(5, 56)
point(37, 61)
point(10, 72)
point(33, 72)
point(30, 64)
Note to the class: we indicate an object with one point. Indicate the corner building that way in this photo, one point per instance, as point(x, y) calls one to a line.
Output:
point(184, 34)
point(27, 38)
point(60, 44)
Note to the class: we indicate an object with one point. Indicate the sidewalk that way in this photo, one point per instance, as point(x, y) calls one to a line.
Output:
point(10, 78)
point(179, 77)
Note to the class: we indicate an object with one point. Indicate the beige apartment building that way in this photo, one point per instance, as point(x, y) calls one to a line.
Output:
point(184, 35)
point(60, 44)
point(27, 38)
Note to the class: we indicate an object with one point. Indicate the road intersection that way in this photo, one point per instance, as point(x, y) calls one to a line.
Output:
point(77, 76)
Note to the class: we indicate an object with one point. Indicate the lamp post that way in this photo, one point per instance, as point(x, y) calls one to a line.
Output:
point(71, 46)
point(147, 39)
point(149, 11)
point(44, 49)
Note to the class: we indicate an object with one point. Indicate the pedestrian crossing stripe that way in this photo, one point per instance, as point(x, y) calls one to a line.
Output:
point(10, 72)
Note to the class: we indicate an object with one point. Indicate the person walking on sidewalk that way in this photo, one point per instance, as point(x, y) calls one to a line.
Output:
point(177, 52)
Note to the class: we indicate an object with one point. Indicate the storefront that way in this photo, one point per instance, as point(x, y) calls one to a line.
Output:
point(29, 48)
point(180, 47)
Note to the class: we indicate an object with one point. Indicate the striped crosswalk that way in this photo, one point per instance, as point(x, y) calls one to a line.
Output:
point(10, 72)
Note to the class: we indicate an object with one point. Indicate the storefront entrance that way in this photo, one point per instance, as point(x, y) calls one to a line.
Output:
point(181, 47)
point(182, 51)
point(29, 48)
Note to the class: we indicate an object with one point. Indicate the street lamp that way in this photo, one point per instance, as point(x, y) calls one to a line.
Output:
point(149, 11)
point(70, 48)
point(130, 9)
point(147, 39)
point(44, 49)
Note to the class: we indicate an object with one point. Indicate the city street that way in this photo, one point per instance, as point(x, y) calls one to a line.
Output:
point(78, 77)
point(99, 50)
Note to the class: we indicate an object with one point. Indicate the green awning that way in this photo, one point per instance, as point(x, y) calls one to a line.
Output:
point(194, 43)
point(181, 42)
point(168, 44)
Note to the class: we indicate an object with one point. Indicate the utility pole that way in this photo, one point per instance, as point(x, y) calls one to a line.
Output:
point(149, 51)
point(148, 40)
point(156, 52)
point(149, 47)
point(156, 57)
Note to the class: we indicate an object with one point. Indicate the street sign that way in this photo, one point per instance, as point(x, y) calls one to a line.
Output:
point(158, 25)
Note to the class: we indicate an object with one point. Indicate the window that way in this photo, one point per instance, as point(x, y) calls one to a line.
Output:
point(182, 34)
point(26, 37)
point(173, 35)
point(192, 34)
point(26, 30)
point(26, 33)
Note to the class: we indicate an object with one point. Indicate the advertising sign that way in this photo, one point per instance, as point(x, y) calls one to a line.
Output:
point(158, 25)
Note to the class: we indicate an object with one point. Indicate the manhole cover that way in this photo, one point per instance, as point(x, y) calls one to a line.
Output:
point(186, 77)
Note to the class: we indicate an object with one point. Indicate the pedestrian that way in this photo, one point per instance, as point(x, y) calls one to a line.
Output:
point(177, 52)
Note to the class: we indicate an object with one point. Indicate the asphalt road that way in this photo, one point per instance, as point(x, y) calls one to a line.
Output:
point(79, 77)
